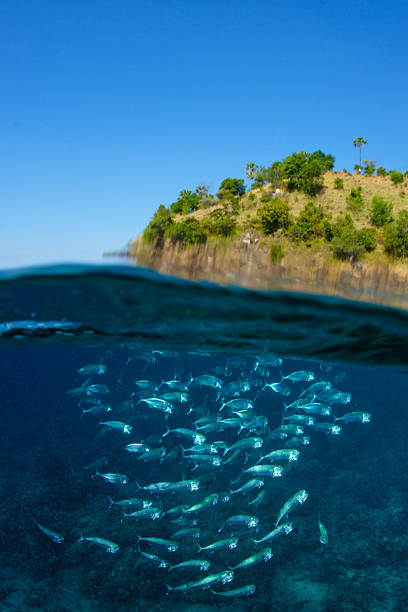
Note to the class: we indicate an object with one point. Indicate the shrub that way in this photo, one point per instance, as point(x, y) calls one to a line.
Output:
point(220, 223)
point(338, 183)
point(396, 177)
point(309, 224)
point(159, 224)
point(381, 171)
point(208, 201)
point(381, 212)
point(396, 236)
point(355, 199)
point(348, 245)
point(369, 169)
point(368, 238)
point(341, 224)
point(265, 197)
point(276, 253)
point(273, 216)
point(188, 231)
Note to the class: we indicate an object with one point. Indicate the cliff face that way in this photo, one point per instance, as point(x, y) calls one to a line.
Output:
point(248, 264)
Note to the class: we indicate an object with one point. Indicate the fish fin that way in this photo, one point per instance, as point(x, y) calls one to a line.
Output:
point(81, 538)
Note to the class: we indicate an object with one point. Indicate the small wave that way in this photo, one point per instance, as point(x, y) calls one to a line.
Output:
point(84, 304)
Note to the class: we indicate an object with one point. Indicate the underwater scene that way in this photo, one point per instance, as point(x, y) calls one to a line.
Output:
point(168, 445)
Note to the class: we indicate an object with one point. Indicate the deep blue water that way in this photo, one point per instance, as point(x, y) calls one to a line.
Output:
point(145, 327)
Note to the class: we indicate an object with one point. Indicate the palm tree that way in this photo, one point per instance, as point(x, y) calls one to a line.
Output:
point(251, 170)
point(359, 142)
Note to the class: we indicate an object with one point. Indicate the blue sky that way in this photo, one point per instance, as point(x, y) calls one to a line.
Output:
point(111, 107)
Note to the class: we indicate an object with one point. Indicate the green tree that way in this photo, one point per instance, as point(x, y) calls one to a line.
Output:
point(187, 231)
point(302, 170)
point(220, 223)
point(381, 212)
point(351, 243)
point(202, 191)
point(251, 171)
point(338, 183)
point(368, 238)
point(186, 202)
point(359, 142)
point(158, 225)
point(381, 171)
point(273, 216)
point(309, 224)
point(231, 185)
point(369, 168)
point(274, 173)
point(396, 236)
point(396, 177)
point(355, 199)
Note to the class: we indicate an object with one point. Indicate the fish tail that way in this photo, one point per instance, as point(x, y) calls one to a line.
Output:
point(169, 588)
point(81, 538)
point(167, 432)
point(139, 486)
point(200, 548)
point(111, 502)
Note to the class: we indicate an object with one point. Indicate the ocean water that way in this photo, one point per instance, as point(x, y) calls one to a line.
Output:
point(287, 357)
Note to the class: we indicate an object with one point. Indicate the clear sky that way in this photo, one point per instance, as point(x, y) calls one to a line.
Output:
point(111, 107)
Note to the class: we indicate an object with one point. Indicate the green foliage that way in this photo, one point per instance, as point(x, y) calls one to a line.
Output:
point(367, 235)
point(265, 197)
point(185, 203)
point(251, 171)
point(276, 253)
point(357, 168)
point(341, 224)
point(381, 171)
point(348, 241)
point(274, 173)
point(273, 216)
point(381, 212)
point(202, 191)
point(338, 183)
point(159, 224)
point(359, 142)
point(208, 201)
point(309, 224)
point(396, 177)
point(355, 199)
point(220, 223)
point(187, 231)
point(231, 185)
point(396, 236)
point(350, 244)
point(302, 170)
point(369, 169)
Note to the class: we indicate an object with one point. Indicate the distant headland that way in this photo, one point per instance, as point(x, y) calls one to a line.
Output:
point(300, 225)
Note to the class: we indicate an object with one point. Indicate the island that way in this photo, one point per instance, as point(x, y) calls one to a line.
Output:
point(300, 225)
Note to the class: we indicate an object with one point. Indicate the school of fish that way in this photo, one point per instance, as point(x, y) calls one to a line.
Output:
point(207, 518)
